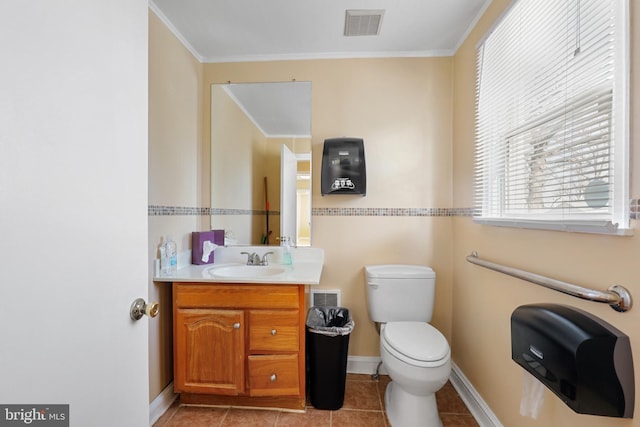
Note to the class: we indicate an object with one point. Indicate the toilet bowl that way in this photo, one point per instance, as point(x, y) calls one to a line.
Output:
point(418, 361)
point(417, 357)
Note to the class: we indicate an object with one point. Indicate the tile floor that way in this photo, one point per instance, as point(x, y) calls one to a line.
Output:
point(363, 406)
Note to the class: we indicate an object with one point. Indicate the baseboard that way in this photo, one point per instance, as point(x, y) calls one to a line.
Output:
point(363, 365)
point(161, 403)
point(476, 405)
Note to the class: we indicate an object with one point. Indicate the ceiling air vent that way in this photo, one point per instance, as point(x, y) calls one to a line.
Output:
point(363, 22)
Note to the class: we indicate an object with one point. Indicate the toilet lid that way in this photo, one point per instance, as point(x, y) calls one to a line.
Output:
point(416, 340)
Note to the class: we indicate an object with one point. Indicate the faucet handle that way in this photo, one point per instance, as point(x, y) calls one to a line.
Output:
point(265, 260)
point(250, 257)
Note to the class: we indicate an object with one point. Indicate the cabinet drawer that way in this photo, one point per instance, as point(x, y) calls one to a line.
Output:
point(273, 330)
point(274, 375)
point(193, 295)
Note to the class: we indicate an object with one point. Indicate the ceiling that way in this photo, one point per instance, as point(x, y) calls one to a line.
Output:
point(267, 30)
point(280, 109)
point(271, 30)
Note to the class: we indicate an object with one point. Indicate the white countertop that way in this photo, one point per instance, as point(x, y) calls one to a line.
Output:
point(305, 270)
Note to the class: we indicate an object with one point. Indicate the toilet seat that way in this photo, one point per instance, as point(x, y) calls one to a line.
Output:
point(416, 343)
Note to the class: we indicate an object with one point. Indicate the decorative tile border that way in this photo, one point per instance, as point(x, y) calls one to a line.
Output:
point(216, 211)
point(158, 210)
point(392, 211)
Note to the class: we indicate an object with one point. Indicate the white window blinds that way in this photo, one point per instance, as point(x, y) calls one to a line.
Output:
point(551, 117)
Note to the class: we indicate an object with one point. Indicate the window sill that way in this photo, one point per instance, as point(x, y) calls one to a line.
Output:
point(592, 227)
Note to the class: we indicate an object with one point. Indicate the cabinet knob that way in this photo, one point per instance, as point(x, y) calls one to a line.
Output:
point(273, 377)
point(273, 332)
point(236, 325)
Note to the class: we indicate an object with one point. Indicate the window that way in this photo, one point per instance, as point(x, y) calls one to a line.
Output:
point(552, 117)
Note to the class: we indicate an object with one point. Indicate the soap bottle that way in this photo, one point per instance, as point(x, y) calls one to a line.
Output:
point(169, 257)
point(286, 251)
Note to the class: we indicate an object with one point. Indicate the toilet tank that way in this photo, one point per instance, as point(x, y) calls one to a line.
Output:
point(399, 292)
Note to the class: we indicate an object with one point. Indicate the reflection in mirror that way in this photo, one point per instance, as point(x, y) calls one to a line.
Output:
point(250, 125)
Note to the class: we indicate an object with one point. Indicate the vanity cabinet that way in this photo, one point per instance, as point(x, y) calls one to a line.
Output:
point(240, 344)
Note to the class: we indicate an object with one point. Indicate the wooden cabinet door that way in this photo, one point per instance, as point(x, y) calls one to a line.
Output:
point(209, 351)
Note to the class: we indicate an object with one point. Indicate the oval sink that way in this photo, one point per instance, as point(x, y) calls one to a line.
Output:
point(246, 271)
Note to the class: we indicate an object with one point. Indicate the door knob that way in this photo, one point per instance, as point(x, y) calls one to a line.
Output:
point(139, 308)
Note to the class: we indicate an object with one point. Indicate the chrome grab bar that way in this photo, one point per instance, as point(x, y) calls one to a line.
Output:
point(617, 296)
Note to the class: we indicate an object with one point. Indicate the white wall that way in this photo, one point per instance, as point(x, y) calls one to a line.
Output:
point(73, 197)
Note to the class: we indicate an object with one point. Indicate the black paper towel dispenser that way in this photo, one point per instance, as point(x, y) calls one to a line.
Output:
point(343, 167)
point(584, 360)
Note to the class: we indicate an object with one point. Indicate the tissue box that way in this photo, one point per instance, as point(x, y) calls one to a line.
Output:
point(197, 241)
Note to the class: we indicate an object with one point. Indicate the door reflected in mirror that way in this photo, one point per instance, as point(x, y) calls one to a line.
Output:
point(251, 125)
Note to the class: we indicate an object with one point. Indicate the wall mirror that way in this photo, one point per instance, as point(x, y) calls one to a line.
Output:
point(261, 162)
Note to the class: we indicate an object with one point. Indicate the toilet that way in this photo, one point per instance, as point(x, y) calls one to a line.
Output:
point(416, 355)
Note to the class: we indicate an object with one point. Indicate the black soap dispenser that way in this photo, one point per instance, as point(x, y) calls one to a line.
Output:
point(343, 167)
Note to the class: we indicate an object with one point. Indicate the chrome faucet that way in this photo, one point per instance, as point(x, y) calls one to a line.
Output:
point(254, 259)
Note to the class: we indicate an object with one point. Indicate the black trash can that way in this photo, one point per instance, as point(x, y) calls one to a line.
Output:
point(327, 336)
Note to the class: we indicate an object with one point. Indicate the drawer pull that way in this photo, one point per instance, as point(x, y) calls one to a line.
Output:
point(273, 377)
point(273, 332)
point(236, 325)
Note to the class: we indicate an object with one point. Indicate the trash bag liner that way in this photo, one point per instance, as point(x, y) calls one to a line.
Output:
point(330, 321)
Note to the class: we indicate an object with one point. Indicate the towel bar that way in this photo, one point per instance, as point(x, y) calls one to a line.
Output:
point(617, 296)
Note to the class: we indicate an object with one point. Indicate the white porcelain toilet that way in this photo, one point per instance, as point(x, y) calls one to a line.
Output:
point(415, 354)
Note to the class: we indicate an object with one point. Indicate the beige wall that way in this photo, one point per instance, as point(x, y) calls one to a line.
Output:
point(402, 109)
point(178, 173)
point(484, 300)
point(240, 161)
point(416, 117)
